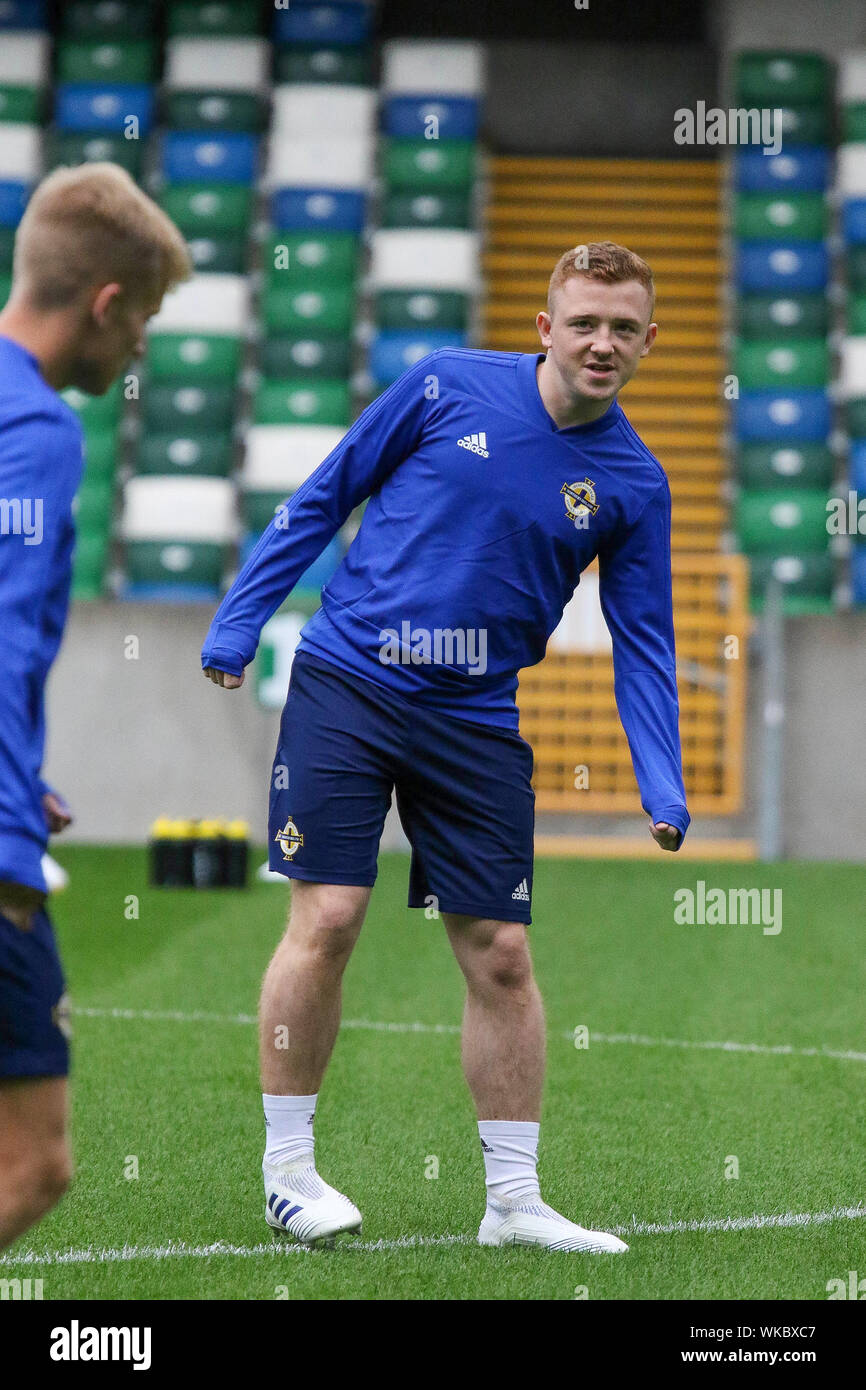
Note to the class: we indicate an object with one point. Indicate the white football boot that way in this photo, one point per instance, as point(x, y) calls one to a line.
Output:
point(530, 1221)
point(298, 1202)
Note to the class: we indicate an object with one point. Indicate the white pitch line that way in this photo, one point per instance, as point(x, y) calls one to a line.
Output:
point(180, 1250)
point(373, 1026)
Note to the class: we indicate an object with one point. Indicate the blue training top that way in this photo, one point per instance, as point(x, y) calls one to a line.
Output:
point(41, 462)
point(482, 516)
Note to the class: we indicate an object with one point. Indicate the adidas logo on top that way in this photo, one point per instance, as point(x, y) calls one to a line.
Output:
point(521, 892)
point(476, 444)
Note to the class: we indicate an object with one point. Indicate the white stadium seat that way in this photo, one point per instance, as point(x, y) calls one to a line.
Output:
point(20, 150)
point(852, 77)
point(206, 304)
point(423, 67)
point(222, 65)
point(446, 260)
point(281, 457)
point(851, 170)
point(852, 368)
point(25, 58)
point(336, 163)
point(182, 509)
point(323, 111)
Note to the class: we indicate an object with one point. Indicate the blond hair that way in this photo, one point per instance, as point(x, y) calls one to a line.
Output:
point(93, 225)
point(601, 260)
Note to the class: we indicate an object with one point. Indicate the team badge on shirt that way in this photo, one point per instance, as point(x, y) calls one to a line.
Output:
point(290, 839)
point(579, 499)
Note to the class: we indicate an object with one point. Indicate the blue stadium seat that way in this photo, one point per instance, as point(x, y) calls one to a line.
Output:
point(209, 158)
point(324, 209)
point(854, 221)
point(92, 106)
point(22, 14)
point(764, 266)
point(13, 200)
point(778, 416)
point(796, 170)
point(392, 353)
point(305, 21)
point(857, 466)
point(408, 117)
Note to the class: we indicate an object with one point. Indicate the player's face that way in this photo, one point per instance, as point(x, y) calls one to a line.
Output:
point(113, 337)
point(597, 334)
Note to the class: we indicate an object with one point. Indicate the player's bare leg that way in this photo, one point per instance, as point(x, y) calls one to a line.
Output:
point(299, 1019)
point(503, 1060)
point(35, 1163)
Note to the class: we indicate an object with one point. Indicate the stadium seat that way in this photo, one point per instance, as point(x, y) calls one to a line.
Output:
point(761, 467)
point(428, 309)
point(214, 18)
point(769, 216)
point(782, 521)
point(851, 170)
point(314, 63)
point(425, 166)
point(782, 316)
point(392, 353)
point(129, 61)
point(788, 266)
point(322, 111)
point(216, 64)
point(279, 458)
point(318, 308)
point(415, 259)
point(801, 362)
point(806, 580)
point(213, 210)
point(310, 22)
point(118, 19)
point(779, 78)
point(212, 157)
point(798, 170)
point(20, 168)
point(304, 357)
point(310, 402)
point(177, 532)
point(71, 147)
point(791, 416)
point(104, 108)
point(201, 455)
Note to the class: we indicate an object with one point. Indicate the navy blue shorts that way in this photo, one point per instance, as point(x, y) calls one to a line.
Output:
point(34, 1024)
point(463, 795)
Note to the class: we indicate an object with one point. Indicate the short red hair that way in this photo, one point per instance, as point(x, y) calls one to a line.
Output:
point(601, 260)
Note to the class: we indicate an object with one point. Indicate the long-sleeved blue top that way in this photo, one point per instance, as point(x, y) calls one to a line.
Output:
point(482, 514)
point(41, 461)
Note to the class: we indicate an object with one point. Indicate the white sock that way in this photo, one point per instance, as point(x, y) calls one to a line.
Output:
point(510, 1150)
point(289, 1128)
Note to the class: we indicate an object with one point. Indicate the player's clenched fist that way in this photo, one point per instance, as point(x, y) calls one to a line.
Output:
point(224, 678)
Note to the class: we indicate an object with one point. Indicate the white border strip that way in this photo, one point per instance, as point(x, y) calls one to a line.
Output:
point(370, 1025)
point(180, 1250)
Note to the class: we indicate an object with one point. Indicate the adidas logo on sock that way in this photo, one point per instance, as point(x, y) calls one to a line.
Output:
point(521, 892)
point(476, 444)
point(486, 1147)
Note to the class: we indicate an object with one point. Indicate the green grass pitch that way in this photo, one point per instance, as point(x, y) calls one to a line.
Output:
point(638, 1130)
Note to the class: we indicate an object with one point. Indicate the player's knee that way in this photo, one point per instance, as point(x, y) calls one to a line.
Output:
point(37, 1181)
point(327, 928)
point(53, 1174)
point(506, 963)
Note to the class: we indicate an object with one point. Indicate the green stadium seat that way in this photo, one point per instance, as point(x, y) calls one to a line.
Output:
point(320, 307)
point(760, 467)
point(208, 209)
point(782, 521)
point(178, 408)
point(214, 18)
point(220, 255)
point(97, 412)
point(101, 447)
point(779, 77)
point(94, 19)
point(5, 287)
point(93, 504)
point(783, 315)
point(774, 216)
point(397, 309)
point(89, 564)
point(194, 357)
point(793, 362)
point(22, 104)
point(295, 257)
point(109, 61)
point(429, 166)
point(806, 125)
point(853, 123)
point(306, 63)
point(205, 455)
point(71, 147)
point(855, 417)
point(303, 403)
point(7, 246)
point(856, 312)
point(426, 210)
point(806, 580)
point(305, 357)
point(212, 110)
point(177, 530)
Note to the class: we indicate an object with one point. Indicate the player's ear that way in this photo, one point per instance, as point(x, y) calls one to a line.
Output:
point(106, 296)
point(651, 333)
point(543, 325)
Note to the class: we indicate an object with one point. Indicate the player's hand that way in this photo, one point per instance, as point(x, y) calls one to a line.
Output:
point(57, 813)
point(224, 678)
point(666, 836)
